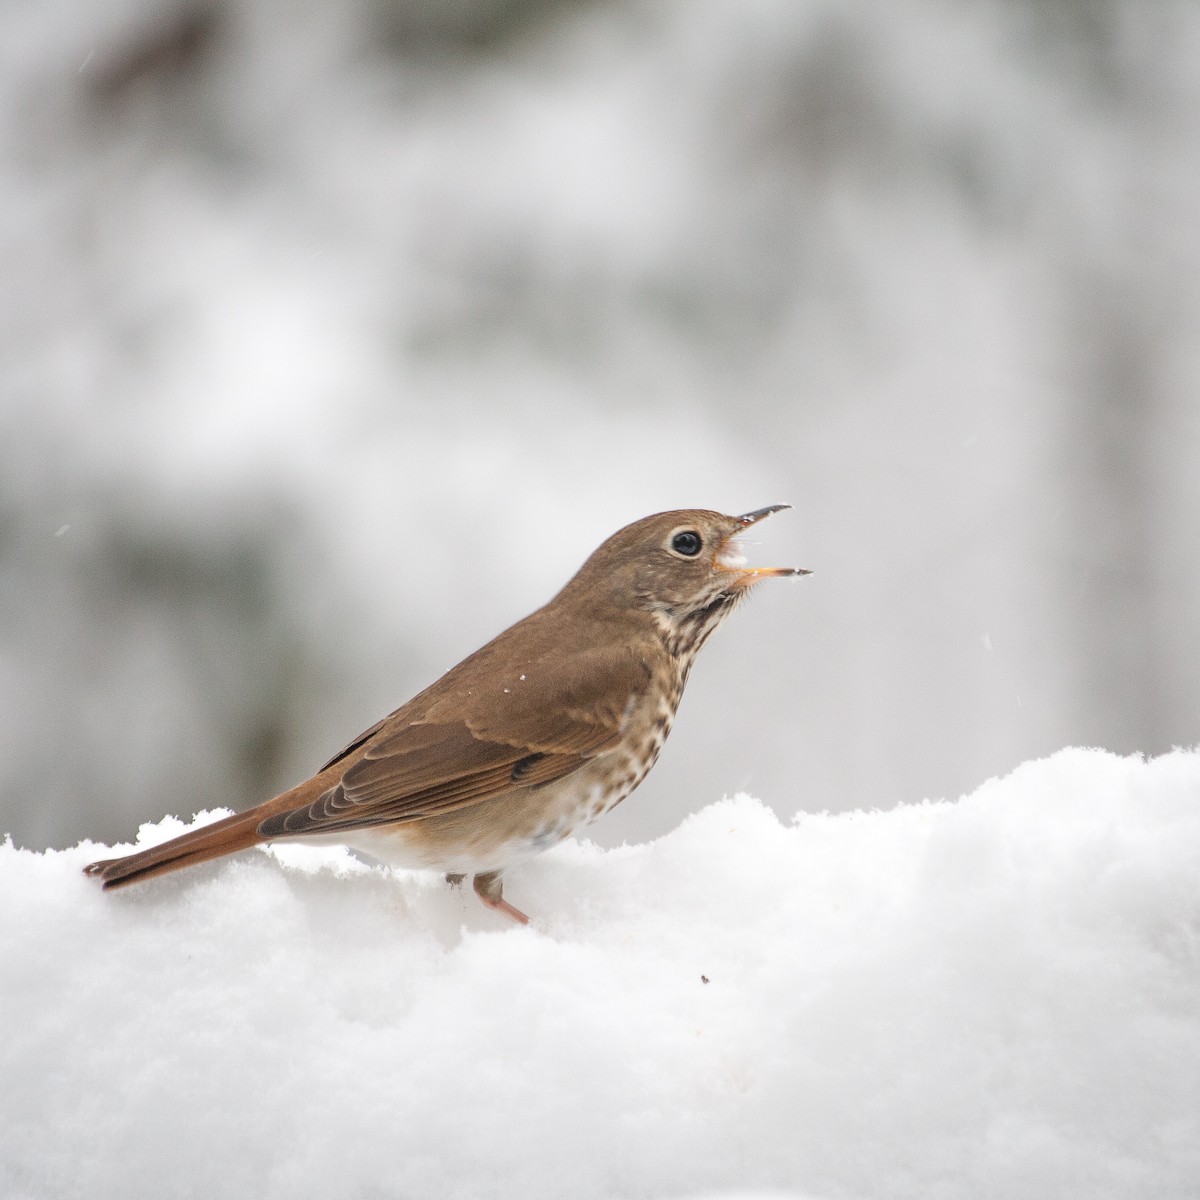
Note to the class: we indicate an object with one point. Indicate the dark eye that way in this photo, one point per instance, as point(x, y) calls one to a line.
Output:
point(686, 543)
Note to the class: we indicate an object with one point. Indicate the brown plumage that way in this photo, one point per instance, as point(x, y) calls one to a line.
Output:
point(541, 731)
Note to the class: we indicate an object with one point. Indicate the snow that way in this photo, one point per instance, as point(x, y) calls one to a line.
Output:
point(998, 997)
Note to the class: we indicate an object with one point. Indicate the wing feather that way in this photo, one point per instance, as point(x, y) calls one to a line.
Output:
point(443, 752)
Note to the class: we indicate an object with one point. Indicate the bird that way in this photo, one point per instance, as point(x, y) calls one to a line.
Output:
point(540, 732)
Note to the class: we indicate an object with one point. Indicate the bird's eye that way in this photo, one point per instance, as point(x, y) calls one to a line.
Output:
point(686, 543)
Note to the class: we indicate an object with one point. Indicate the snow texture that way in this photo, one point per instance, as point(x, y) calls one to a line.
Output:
point(998, 997)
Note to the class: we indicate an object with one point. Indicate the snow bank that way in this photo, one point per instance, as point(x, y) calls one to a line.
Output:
point(994, 998)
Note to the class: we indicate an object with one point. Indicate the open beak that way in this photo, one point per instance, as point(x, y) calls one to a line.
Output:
point(729, 557)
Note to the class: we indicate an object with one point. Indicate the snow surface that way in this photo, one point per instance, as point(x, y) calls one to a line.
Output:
point(998, 997)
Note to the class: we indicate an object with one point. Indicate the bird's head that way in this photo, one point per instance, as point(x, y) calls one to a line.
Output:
point(684, 567)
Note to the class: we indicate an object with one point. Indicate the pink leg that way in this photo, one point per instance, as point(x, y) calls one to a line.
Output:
point(490, 890)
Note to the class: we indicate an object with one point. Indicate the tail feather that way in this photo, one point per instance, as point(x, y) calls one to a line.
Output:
point(227, 836)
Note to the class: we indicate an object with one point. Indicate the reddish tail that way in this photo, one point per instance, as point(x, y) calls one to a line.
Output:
point(226, 836)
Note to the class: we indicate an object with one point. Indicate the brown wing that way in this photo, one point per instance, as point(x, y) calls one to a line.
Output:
point(458, 744)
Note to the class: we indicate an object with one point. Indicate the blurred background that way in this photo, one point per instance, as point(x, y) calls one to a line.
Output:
point(334, 335)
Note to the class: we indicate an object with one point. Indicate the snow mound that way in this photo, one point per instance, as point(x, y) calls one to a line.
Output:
point(998, 997)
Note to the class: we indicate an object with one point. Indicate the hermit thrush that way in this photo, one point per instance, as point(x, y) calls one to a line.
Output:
point(540, 732)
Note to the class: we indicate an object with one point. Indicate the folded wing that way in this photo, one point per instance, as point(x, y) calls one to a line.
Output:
point(449, 749)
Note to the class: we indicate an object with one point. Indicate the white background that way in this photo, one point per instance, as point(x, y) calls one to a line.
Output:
point(335, 334)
